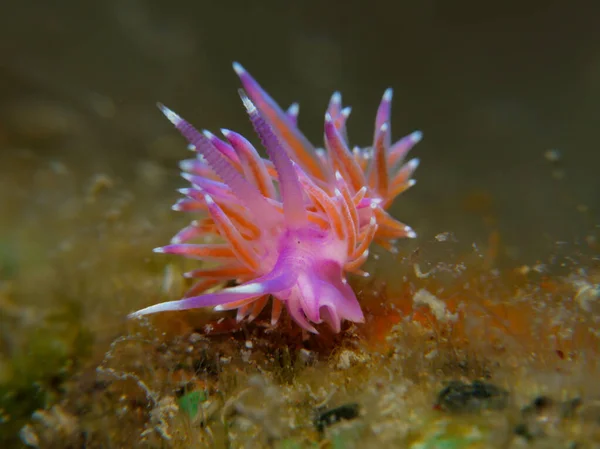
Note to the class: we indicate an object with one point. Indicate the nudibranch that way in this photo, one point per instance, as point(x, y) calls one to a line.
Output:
point(287, 228)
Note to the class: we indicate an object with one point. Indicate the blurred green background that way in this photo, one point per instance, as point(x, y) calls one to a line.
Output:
point(493, 86)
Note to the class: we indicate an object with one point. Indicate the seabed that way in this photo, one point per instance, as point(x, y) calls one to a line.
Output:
point(461, 348)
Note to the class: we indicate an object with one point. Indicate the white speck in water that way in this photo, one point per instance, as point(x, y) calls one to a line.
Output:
point(445, 237)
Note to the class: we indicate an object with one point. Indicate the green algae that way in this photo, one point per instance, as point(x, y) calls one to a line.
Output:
point(190, 402)
point(446, 433)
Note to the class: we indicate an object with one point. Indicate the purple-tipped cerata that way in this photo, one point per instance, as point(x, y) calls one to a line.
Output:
point(292, 226)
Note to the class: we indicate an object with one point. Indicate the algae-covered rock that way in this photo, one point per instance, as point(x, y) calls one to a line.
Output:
point(48, 356)
point(474, 397)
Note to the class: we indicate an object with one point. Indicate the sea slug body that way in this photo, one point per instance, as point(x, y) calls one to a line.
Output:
point(292, 226)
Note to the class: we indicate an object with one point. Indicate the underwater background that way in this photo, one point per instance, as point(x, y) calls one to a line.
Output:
point(482, 332)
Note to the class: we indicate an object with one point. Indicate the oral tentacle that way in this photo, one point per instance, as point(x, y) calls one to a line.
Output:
point(269, 284)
